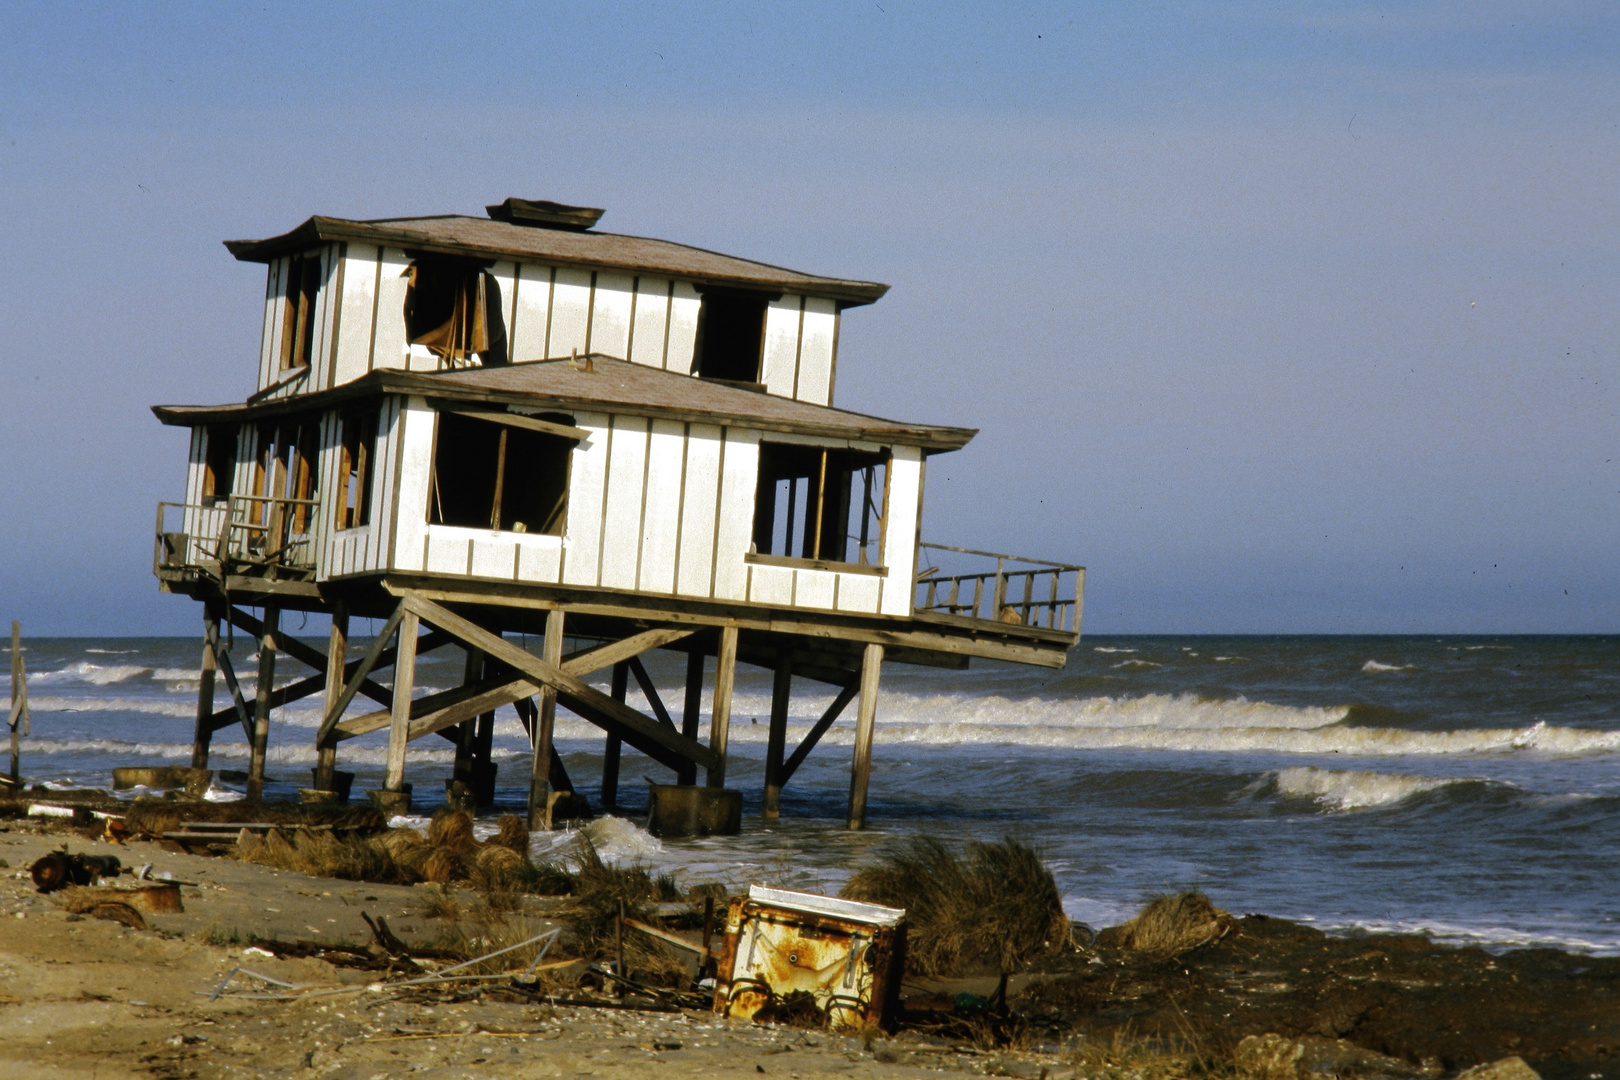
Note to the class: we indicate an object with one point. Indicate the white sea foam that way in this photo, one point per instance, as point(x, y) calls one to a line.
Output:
point(174, 674)
point(1373, 666)
point(1484, 935)
point(1110, 649)
point(86, 672)
point(616, 840)
point(1354, 789)
point(1137, 664)
point(113, 652)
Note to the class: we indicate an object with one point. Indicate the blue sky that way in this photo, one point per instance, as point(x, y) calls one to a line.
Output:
point(1281, 318)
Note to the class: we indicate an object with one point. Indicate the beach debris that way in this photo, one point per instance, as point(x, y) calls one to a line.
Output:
point(780, 946)
point(1278, 1058)
point(80, 900)
point(996, 904)
point(59, 869)
point(1171, 925)
point(1508, 1068)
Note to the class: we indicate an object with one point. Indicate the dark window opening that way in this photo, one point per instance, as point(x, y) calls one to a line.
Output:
point(453, 308)
point(358, 446)
point(219, 464)
point(298, 314)
point(730, 335)
point(489, 475)
point(286, 467)
point(820, 504)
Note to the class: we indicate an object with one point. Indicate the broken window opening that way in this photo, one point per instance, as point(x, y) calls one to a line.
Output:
point(489, 475)
point(303, 283)
point(453, 309)
point(730, 335)
point(285, 466)
point(356, 450)
point(824, 505)
point(219, 463)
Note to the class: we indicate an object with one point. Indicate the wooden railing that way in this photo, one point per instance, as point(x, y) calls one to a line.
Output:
point(1019, 591)
point(247, 534)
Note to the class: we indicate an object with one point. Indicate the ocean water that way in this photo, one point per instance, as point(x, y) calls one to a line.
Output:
point(1462, 786)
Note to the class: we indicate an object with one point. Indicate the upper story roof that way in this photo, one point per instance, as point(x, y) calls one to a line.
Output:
point(603, 384)
point(556, 238)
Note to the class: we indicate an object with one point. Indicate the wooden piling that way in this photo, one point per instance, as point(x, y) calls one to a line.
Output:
point(203, 734)
point(337, 652)
point(472, 672)
point(725, 674)
point(776, 743)
point(861, 771)
point(692, 711)
point(18, 716)
point(545, 722)
point(610, 755)
point(261, 703)
point(399, 715)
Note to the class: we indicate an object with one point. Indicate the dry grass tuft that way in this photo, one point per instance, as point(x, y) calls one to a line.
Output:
point(514, 835)
point(996, 904)
point(1124, 1057)
point(452, 830)
point(320, 854)
point(1172, 925)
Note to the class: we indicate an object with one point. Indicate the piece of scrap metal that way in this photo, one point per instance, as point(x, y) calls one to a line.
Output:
point(847, 956)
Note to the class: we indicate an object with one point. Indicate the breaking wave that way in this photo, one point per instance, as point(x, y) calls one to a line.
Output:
point(86, 672)
point(1356, 789)
point(149, 706)
point(1372, 667)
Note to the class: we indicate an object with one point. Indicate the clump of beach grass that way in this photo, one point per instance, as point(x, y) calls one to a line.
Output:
point(996, 903)
point(1171, 925)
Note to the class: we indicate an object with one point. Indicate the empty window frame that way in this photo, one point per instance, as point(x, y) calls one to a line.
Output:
point(453, 309)
point(219, 463)
point(824, 505)
point(490, 475)
point(356, 450)
point(286, 467)
point(303, 285)
point(730, 335)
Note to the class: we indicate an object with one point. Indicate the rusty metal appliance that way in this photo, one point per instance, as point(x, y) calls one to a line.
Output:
point(785, 949)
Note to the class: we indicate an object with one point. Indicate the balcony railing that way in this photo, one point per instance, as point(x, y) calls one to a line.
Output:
point(252, 535)
point(1022, 592)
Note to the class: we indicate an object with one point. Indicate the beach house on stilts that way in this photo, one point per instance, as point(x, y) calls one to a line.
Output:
point(469, 427)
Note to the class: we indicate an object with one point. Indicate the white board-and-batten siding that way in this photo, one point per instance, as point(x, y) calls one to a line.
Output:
point(655, 506)
point(361, 550)
point(548, 312)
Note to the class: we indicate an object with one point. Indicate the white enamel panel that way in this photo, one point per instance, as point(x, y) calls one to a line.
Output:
point(531, 310)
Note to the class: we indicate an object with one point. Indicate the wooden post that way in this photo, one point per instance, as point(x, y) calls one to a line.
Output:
point(725, 674)
point(467, 731)
point(545, 721)
point(204, 732)
point(337, 652)
point(692, 712)
point(610, 755)
point(861, 772)
point(261, 703)
point(776, 742)
point(19, 702)
point(399, 716)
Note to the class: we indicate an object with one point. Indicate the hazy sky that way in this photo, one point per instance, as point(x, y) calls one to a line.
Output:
point(1281, 318)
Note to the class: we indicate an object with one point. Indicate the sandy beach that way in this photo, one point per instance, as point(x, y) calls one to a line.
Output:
point(83, 996)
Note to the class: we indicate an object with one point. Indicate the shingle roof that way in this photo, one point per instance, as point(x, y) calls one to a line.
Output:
point(612, 386)
point(457, 234)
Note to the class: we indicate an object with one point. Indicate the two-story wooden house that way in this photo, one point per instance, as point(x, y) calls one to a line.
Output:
point(499, 424)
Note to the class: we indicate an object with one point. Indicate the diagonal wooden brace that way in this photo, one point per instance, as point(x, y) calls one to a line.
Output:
point(437, 712)
point(239, 709)
point(663, 744)
point(813, 736)
point(305, 654)
point(650, 691)
point(352, 686)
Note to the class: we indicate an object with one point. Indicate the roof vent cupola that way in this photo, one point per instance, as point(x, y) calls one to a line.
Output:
point(544, 214)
